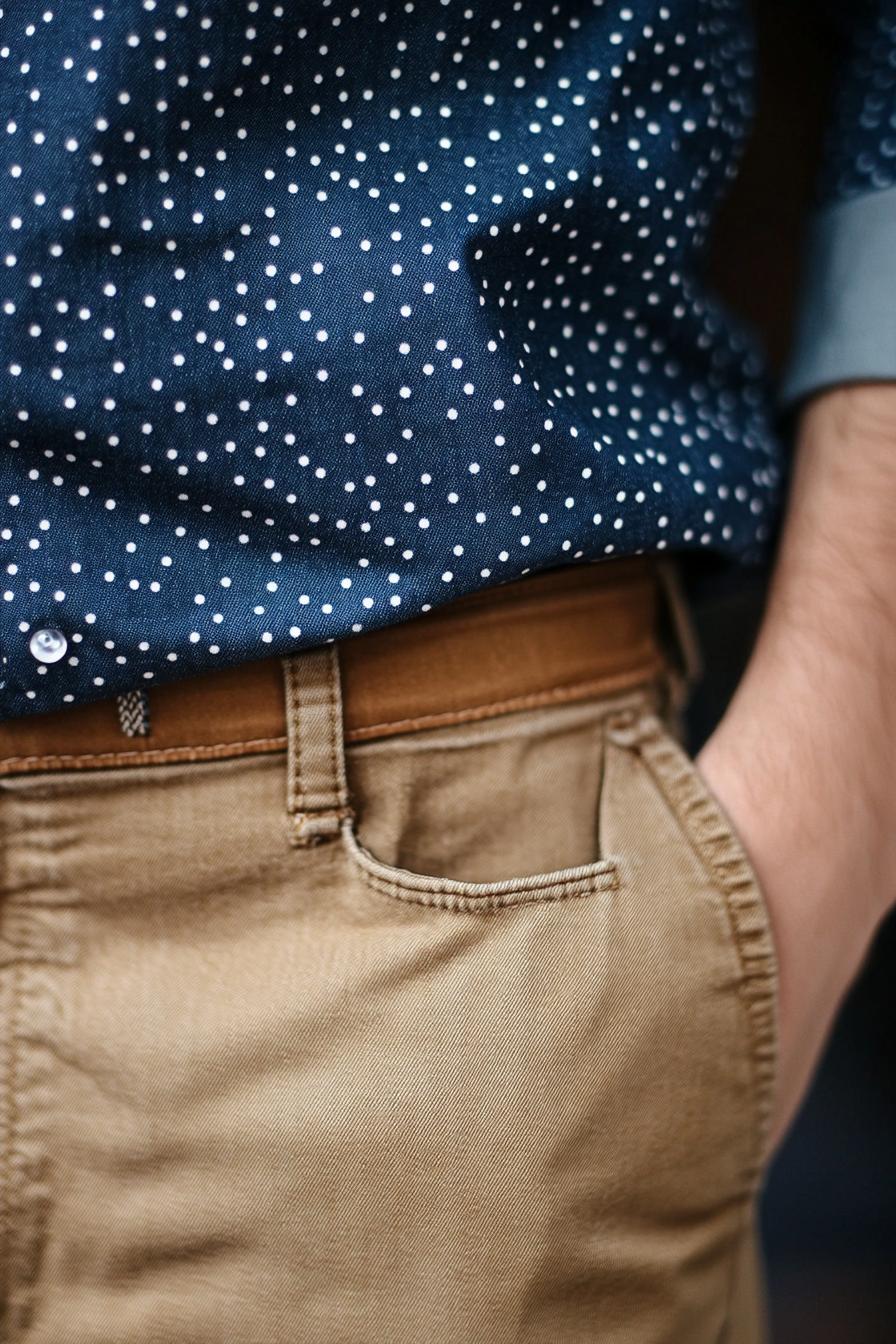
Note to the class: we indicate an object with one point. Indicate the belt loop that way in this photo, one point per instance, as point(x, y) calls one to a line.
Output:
point(317, 793)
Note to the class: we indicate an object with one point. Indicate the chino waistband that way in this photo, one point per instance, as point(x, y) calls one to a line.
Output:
point(567, 635)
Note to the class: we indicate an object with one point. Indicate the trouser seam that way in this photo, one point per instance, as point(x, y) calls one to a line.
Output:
point(24, 1191)
point(10, 1126)
point(716, 845)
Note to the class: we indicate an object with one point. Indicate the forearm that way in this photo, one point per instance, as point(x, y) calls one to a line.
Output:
point(805, 759)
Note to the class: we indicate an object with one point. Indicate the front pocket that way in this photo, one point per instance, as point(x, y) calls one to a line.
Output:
point(492, 812)
point(718, 849)
point(564, 1085)
point(479, 897)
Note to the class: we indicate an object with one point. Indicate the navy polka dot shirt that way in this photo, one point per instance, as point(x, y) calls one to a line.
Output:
point(317, 315)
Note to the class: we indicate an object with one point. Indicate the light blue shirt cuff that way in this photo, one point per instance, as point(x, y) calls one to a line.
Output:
point(846, 328)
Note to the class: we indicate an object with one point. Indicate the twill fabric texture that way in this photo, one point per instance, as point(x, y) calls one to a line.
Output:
point(493, 1062)
point(317, 316)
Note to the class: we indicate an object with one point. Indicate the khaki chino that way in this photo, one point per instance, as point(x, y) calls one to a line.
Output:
point(490, 1063)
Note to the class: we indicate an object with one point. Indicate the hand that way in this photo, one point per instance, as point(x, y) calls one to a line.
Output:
point(804, 761)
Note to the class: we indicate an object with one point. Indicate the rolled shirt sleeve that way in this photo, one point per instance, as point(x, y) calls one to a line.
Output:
point(846, 327)
point(846, 323)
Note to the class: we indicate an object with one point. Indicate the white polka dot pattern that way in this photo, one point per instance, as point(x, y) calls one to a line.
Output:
point(319, 315)
point(861, 149)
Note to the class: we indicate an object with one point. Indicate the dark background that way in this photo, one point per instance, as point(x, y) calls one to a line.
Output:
point(829, 1210)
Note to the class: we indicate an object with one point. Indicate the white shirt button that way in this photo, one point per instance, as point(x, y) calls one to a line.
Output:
point(48, 646)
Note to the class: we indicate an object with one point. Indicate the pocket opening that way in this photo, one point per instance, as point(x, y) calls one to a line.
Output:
point(478, 897)
point(488, 815)
point(713, 839)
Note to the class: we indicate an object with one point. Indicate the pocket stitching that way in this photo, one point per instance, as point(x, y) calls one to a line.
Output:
point(479, 897)
point(716, 844)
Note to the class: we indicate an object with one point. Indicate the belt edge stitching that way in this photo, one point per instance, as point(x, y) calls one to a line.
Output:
point(367, 732)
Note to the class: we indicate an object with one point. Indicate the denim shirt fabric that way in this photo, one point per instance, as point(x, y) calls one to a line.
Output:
point(317, 315)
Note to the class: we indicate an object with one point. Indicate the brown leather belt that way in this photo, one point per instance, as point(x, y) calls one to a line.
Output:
point(567, 635)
